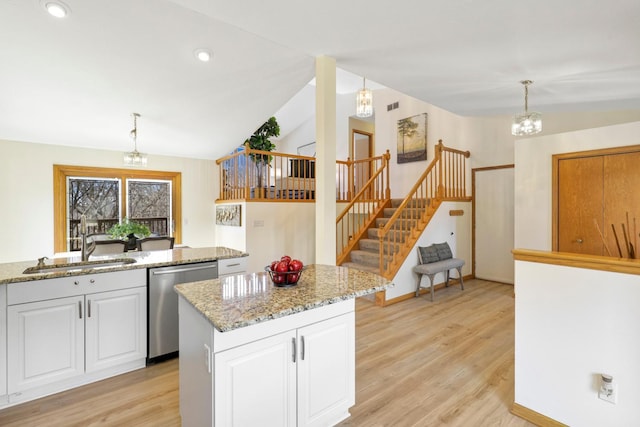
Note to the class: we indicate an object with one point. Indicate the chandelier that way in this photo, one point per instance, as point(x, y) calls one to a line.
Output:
point(364, 101)
point(135, 158)
point(528, 123)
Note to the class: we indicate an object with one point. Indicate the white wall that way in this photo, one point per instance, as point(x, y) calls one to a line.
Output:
point(26, 189)
point(573, 324)
point(533, 176)
point(277, 229)
point(455, 230)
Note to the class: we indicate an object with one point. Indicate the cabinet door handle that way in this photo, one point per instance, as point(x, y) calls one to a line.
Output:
point(76, 282)
point(293, 344)
point(80, 309)
point(89, 308)
point(302, 347)
point(207, 355)
point(92, 281)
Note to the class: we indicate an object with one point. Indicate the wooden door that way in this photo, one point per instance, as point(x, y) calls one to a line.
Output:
point(622, 202)
point(493, 223)
point(580, 205)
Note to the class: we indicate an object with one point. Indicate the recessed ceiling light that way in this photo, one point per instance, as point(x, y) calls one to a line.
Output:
point(56, 8)
point(203, 55)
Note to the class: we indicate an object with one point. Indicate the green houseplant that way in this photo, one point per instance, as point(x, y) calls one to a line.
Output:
point(260, 141)
point(129, 230)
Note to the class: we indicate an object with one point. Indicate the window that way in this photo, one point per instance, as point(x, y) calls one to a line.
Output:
point(106, 196)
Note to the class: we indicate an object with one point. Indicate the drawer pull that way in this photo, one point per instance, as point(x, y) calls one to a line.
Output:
point(233, 265)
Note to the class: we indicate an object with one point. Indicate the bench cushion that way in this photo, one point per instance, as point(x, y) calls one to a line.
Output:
point(438, 266)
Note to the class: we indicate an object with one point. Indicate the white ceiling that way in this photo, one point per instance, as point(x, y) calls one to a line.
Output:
point(76, 81)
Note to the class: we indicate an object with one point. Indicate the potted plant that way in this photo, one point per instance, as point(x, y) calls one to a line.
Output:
point(260, 141)
point(129, 230)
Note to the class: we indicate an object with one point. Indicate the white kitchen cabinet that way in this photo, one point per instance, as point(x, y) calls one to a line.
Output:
point(115, 328)
point(258, 383)
point(232, 266)
point(45, 341)
point(81, 333)
point(3, 345)
point(293, 371)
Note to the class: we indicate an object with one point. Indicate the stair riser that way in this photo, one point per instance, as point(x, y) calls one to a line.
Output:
point(416, 203)
point(374, 247)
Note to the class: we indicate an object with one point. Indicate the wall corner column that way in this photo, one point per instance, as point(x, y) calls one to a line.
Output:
point(325, 160)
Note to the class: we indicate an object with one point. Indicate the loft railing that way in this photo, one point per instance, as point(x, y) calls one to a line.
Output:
point(443, 180)
point(255, 175)
point(365, 206)
point(288, 177)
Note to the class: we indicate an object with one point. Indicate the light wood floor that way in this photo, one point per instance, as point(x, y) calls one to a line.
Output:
point(419, 363)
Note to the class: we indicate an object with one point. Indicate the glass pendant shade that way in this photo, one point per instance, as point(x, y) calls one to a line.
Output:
point(527, 123)
point(364, 102)
point(135, 158)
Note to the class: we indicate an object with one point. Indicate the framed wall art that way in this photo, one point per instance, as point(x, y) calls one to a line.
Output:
point(228, 215)
point(412, 139)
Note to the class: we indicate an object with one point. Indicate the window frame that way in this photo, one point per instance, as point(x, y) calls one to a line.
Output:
point(61, 172)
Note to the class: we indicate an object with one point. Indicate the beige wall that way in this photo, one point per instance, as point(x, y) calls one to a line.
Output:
point(26, 191)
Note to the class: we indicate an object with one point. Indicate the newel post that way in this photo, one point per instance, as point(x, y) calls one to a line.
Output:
point(439, 150)
point(387, 190)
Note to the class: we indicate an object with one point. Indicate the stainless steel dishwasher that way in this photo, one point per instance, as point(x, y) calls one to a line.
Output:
point(163, 305)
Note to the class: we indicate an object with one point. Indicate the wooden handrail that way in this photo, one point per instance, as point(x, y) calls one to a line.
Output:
point(362, 210)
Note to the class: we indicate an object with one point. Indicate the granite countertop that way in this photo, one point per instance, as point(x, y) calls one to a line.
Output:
point(246, 299)
point(13, 272)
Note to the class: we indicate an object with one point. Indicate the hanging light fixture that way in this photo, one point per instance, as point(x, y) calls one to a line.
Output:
point(364, 101)
point(135, 158)
point(528, 123)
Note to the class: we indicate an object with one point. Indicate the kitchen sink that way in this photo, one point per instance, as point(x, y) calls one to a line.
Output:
point(79, 266)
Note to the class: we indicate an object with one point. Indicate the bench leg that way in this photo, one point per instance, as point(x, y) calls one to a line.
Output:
point(460, 276)
point(446, 278)
point(430, 276)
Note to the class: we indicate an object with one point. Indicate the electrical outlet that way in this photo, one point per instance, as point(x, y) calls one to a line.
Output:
point(608, 389)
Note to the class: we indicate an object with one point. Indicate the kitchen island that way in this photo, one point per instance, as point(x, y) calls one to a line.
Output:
point(252, 353)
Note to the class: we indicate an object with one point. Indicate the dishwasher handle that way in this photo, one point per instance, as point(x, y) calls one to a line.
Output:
point(183, 269)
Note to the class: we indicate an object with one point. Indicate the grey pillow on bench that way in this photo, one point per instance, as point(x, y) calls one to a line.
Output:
point(444, 251)
point(428, 254)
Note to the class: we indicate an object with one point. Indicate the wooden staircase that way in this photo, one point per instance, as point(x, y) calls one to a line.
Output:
point(391, 227)
point(367, 256)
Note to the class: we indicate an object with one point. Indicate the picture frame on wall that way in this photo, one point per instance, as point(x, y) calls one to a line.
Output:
point(412, 139)
point(228, 215)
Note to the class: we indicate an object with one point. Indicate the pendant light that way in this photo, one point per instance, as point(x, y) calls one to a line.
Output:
point(364, 101)
point(528, 123)
point(135, 158)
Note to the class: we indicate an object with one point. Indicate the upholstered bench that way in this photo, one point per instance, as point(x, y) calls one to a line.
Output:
point(435, 259)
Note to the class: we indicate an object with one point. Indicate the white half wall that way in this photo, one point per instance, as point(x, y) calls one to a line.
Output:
point(573, 324)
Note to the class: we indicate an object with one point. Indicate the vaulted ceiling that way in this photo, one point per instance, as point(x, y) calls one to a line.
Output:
point(76, 81)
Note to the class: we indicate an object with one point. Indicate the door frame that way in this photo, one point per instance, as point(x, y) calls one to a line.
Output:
point(555, 165)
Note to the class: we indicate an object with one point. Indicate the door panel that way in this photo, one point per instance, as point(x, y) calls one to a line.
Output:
point(580, 203)
point(622, 201)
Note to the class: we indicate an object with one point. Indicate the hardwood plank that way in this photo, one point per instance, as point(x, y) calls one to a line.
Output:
point(419, 363)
